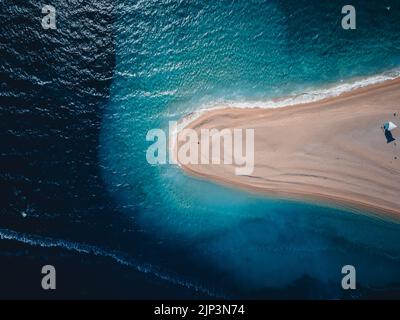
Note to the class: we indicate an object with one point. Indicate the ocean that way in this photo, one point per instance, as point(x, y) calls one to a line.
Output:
point(78, 193)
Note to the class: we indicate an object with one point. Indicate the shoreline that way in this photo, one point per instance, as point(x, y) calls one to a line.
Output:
point(331, 91)
point(333, 150)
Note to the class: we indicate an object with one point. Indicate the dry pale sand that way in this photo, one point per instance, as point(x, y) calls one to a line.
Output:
point(333, 150)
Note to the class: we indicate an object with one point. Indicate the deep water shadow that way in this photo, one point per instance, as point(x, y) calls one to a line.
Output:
point(54, 87)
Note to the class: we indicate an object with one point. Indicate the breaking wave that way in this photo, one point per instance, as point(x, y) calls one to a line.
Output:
point(119, 257)
point(311, 95)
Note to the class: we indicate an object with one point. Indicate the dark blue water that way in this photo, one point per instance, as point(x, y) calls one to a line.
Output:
point(76, 106)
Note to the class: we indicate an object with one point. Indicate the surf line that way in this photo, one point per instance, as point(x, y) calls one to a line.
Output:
point(119, 257)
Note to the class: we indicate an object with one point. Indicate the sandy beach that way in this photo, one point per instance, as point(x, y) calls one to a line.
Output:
point(333, 151)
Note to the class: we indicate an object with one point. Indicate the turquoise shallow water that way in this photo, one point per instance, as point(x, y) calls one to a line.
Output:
point(175, 57)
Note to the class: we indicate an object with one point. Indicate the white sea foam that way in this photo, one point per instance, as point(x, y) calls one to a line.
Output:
point(119, 257)
point(310, 95)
